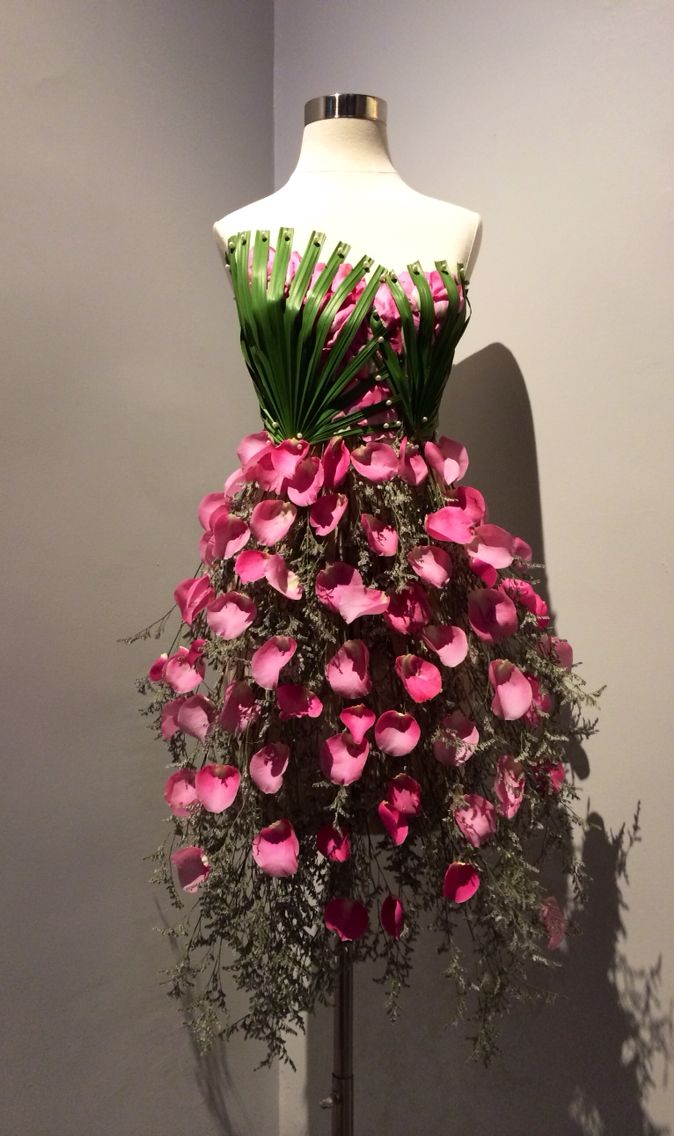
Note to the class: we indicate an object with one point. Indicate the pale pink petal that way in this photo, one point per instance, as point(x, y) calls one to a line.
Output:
point(296, 701)
point(268, 660)
point(182, 673)
point(191, 866)
point(194, 716)
point(461, 882)
point(234, 483)
point(287, 455)
point(271, 520)
point(451, 524)
point(411, 466)
point(192, 595)
point(342, 759)
point(450, 643)
point(180, 793)
point(432, 565)
point(392, 916)
point(267, 766)
point(347, 671)
point(230, 534)
point(409, 610)
point(458, 740)
point(239, 708)
point(263, 471)
point(381, 538)
point(326, 513)
point(156, 671)
point(559, 650)
point(394, 822)
point(396, 734)
point(476, 819)
point(217, 786)
point(491, 614)
point(251, 565)
point(282, 578)
point(404, 794)
point(210, 505)
point(508, 785)
point(422, 680)
point(231, 613)
point(336, 461)
point(554, 921)
point(276, 848)
point(346, 917)
point(333, 843)
point(307, 481)
point(330, 580)
point(358, 720)
point(512, 691)
point(355, 600)
point(252, 445)
point(493, 545)
point(449, 459)
point(375, 461)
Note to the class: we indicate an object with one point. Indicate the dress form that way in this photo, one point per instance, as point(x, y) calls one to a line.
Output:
point(346, 186)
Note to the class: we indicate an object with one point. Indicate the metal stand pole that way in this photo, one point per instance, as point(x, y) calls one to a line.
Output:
point(341, 1097)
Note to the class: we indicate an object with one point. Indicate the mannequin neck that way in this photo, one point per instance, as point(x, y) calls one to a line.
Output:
point(344, 145)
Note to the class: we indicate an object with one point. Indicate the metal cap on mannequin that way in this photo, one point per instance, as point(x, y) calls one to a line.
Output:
point(345, 106)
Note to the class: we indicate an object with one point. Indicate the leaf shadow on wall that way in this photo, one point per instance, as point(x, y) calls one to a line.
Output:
point(580, 1066)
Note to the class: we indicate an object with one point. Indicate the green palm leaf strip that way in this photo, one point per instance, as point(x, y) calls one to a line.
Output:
point(303, 364)
point(418, 377)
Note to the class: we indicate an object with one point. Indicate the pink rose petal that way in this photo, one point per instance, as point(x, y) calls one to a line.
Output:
point(268, 660)
point(342, 760)
point(156, 671)
point(180, 793)
point(333, 844)
point(330, 581)
point(271, 520)
point(191, 716)
point(409, 610)
point(422, 680)
point(508, 785)
point(461, 882)
point(296, 701)
point(239, 708)
point(287, 455)
point(450, 643)
point(191, 866)
point(251, 565)
point(394, 822)
point(358, 720)
point(307, 481)
point(432, 565)
point(192, 595)
point(522, 591)
point(375, 461)
point(554, 921)
point(559, 650)
point(217, 786)
point(491, 614)
point(411, 466)
point(276, 849)
point(476, 819)
point(183, 672)
point(450, 523)
point(231, 613)
point(493, 545)
point(336, 461)
point(267, 766)
point(230, 534)
point(381, 538)
point(326, 512)
point(449, 459)
point(210, 505)
point(392, 916)
point(396, 734)
point(458, 740)
point(512, 691)
point(404, 794)
point(282, 578)
point(346, 917)
point(252, 445)
point(347, 671)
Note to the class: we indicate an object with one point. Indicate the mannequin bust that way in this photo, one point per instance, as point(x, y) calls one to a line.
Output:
point(345, 185)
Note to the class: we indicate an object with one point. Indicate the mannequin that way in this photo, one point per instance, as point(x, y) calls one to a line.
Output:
point(346, 186)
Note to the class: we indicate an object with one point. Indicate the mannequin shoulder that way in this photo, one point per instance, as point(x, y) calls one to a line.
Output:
point(267, 213)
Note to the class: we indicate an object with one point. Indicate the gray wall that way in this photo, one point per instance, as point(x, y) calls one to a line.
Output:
point(127, 129)
point(554, 121)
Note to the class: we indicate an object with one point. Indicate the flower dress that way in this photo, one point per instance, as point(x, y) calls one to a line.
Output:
point(366, 707)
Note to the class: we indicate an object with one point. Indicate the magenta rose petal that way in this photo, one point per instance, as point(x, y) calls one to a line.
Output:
point(347, 671)
point(239, 708)
point(276, 849)
point(432, 564)
point(409, 610)
point(392, 916)
point(460, 882)
point(508, 785)
point(210, 505)
point(267, 766)
point(358, 720)
point(493, 545)
point(554, 921)
point(297, 701)
point(491, 614)
point(451, 524)
point(394, 822)
point(458, 741)
point(375, 461)
point(251, 565)
point(231, 613)
point(306, 482)
point(382, 539)
point(191, 866)
point(180, 792)
point(326, 512)
point(449, 459)
point(512, 690)
point(192, 595)
point(282, 578)
point(396, 733)
point(346, 917)
point(422, 680)
point(342, 760)
point(331, 580)
point(411, 465)
point(271, 520)
point(404, 794)
point(268, 661)
point(333, 843)
point(194, 716)
point(217, 786)
point(336, 461)
point(476, 819)
point(450, 643)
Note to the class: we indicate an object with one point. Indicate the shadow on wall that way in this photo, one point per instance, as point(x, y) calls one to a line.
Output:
point(578, 1067)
